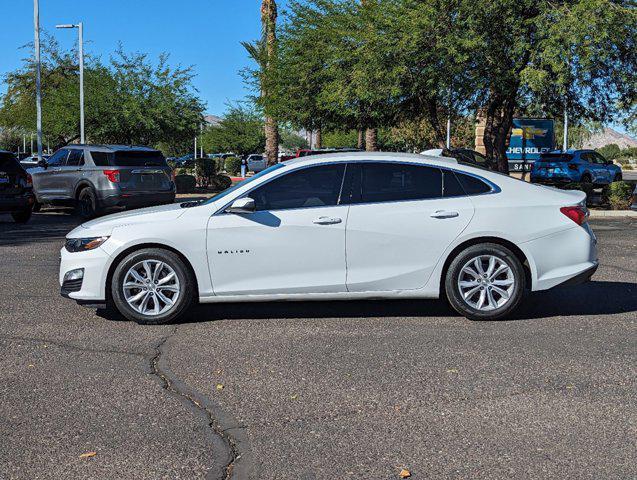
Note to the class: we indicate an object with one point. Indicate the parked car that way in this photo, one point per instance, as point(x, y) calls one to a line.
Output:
point(32, 161)
point(343, 226)
point(585, 166)
point(256, 163)
point(16, 192)
point(463, 155)
point(98, 177)
point(185, 161)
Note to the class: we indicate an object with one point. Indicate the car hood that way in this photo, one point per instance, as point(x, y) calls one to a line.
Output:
point(104, 226)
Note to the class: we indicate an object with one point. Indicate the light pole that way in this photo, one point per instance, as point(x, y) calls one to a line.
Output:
point(80, 29)
point(38, 93)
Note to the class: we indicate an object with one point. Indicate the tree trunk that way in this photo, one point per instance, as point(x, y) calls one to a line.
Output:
point(499, 120)
point(434, 121)
point(318, 140)
point(360, 143)
point(371, 137)
point(268, 22)
point(271, 141)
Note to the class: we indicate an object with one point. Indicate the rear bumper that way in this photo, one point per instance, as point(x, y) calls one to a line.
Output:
point(137, 199)
point(553, 180)
point(580, 278)
point(17, 203)
point(562, 257)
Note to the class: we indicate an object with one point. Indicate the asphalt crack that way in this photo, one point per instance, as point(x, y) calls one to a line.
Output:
point(225, 433)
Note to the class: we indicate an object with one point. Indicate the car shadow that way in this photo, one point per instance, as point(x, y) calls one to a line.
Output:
point(52, 224)
point(592, 298)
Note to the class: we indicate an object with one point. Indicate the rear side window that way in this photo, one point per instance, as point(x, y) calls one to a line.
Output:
point(393, 182)
point(100, 159)
point(472, 185)
point(451, 186)
point(139, 158)
point(76, 158)
point(309, 187)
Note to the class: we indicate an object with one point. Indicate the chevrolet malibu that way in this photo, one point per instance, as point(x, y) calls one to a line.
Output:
point(338, 227)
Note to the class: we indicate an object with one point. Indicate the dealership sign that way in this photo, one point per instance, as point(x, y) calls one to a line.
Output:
point(530, 137)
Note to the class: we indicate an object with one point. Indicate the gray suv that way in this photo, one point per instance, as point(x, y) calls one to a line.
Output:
point(97, 177)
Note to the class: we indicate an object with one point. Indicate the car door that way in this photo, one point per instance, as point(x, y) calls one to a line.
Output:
point(71, 172)
point(402, 218)
point(606, 176)
point(293, 243)
point(46, 183)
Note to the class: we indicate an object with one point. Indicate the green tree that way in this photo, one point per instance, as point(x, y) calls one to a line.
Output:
point(241, 131)
point(129, 100)
point(610, 152)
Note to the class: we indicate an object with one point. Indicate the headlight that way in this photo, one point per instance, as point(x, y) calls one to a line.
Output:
point(83, 244)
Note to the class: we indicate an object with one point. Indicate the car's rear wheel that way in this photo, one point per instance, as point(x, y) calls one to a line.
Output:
point(485, 282)
point(586, 178)
point(87, 203)
point(152, 286)
point(22, 216)
point(37, 206)
point(618, 178)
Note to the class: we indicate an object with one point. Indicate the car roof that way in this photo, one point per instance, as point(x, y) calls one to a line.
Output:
point(111, 148)
point(372, 156)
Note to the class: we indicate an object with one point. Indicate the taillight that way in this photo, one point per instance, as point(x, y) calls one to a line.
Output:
point(572, 166)
point(578, 213)
point(112, 175)
point(29, 180)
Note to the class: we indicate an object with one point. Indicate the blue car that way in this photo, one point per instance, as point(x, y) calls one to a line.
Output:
point(585, 166)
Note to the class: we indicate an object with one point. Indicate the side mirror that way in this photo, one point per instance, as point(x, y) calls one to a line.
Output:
point(42, 163)
point(242, 205)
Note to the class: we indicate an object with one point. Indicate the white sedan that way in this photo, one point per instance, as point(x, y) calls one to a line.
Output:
point(338, 227)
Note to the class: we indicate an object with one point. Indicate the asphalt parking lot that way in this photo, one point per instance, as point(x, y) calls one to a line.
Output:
point(317, 390)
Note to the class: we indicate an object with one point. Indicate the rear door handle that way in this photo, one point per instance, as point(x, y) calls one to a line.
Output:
point(326, 220)
point(444, 214)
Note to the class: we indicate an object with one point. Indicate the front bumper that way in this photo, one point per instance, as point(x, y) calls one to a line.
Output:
point(93, 284)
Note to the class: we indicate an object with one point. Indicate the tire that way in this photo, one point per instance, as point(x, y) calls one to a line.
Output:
point(86, 205)
point(182, 287)
point(618, 178)
point(22, 216)
point(586, 178)
point(37, 206)
point(495, 305)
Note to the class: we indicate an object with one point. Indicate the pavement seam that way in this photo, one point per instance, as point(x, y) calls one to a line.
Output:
point(227, 434)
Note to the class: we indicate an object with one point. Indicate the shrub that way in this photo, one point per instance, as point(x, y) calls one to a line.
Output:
point(233, 165)
point(205, 170)
point(220, 182)
point(619, 195)
point(185, 183)
point(609, 152)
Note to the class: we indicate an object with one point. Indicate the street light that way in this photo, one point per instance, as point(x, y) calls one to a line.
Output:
point(80, 27)
point(38, 92)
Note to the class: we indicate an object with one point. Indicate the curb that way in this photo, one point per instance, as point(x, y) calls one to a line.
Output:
point(613, 213)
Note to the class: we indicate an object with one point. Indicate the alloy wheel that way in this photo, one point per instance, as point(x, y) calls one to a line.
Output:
point(151, 287)
point(486, 282)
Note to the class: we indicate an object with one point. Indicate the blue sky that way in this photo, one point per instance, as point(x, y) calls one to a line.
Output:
point(202, 33)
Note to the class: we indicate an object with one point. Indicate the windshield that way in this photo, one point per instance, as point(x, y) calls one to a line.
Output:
point(244, 182)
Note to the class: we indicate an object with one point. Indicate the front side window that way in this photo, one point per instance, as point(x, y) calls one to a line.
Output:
point(58, 158)
point(394, 182)
point(76, 158)
point(318, 186)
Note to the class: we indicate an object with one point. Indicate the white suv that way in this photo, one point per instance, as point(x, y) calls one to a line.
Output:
point(336, 227)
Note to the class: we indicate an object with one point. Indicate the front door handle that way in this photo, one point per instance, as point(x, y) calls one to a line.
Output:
point(326, 220)
point(444, 214)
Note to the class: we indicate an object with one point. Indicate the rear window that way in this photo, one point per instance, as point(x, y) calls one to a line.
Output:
point(8, 163)
point(132, 158)
point(138, 159)
point(556, 157)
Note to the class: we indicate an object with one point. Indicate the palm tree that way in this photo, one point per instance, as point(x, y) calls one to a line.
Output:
point(268, 23)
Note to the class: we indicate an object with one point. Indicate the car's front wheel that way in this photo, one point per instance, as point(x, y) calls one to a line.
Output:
point(485, 282)
point(152, 286)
